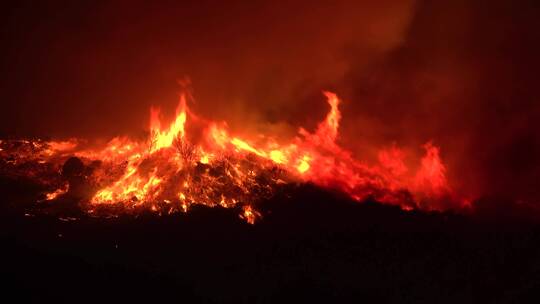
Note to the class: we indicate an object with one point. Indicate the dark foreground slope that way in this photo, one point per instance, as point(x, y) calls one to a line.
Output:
point(312, 246)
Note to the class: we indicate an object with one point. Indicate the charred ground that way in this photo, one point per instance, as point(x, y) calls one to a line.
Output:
point(311, 245)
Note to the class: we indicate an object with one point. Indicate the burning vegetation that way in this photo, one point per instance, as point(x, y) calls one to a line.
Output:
point(172, 170)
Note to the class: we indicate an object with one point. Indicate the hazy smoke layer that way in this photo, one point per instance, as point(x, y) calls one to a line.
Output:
point(461, 73)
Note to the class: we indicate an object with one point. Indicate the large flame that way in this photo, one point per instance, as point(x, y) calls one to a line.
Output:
point(171, 171)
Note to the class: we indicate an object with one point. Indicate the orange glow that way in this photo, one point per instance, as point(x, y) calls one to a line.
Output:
point(250, 215)
point(168, 173)
point(56, 193)
point(163, 139)
point(303, 164)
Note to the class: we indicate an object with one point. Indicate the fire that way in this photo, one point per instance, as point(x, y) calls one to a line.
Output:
point(163, 139)
point(303, 164)
point(56, 193)
point(432, 173)
point(172, 171)
point(249, 215)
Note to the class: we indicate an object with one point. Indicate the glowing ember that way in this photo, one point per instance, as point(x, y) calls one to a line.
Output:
point(172, 171)
point(60, 191)
point(249, 215)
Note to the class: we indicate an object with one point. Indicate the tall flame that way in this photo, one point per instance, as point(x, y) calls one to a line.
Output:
point(164, 139)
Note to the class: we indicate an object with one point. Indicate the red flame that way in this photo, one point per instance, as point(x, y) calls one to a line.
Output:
point(171, 171)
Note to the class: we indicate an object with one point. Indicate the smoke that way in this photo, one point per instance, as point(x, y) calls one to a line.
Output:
point(464, 76)
point(459, 73)
point(96, 68)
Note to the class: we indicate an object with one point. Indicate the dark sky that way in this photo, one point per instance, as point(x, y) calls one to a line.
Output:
point(462, 73)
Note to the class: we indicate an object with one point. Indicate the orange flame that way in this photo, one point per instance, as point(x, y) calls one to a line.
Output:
point(169, 173)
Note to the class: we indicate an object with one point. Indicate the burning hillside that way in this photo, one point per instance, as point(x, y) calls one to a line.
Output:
point(413, 178)
point(173, 169)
